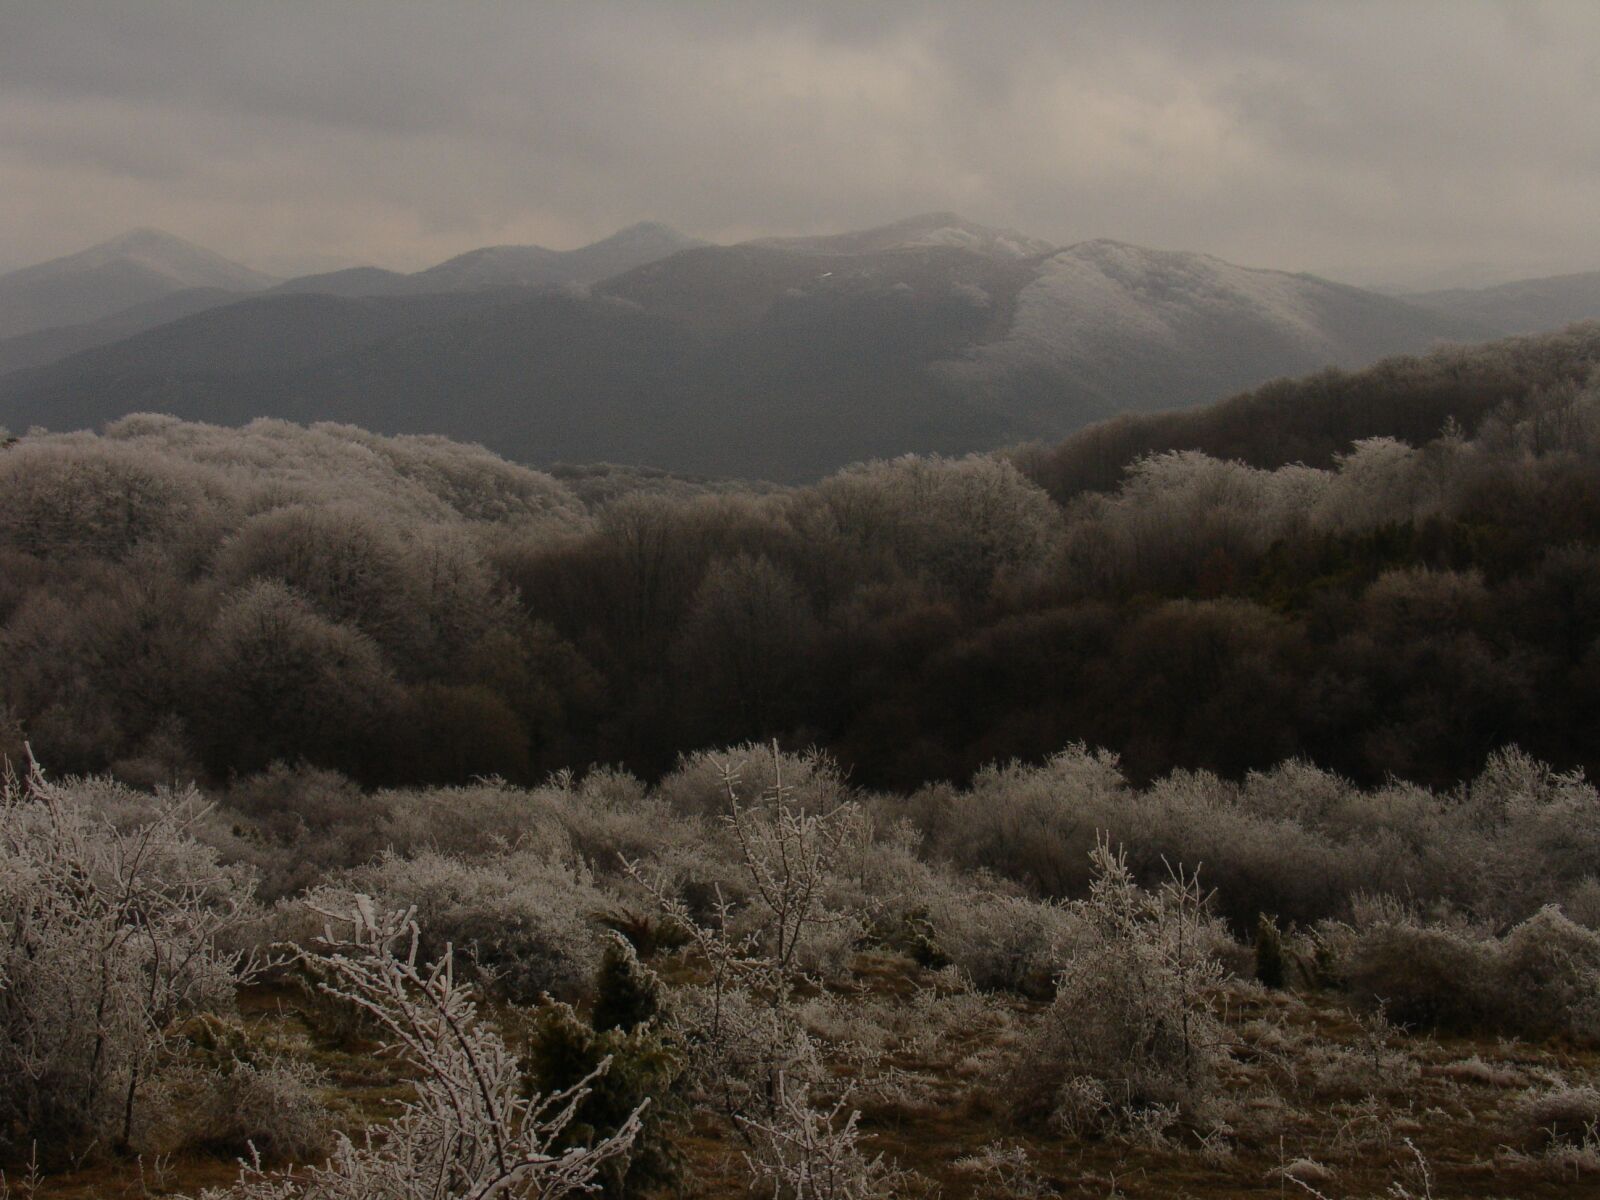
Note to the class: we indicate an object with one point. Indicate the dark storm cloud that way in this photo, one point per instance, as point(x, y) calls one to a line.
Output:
point(1384, 140)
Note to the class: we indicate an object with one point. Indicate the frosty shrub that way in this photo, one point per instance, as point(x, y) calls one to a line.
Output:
point(609, 818)
point(302, 822)
point(791, 844)
point(1035, 825)
point(1429, 975)
point(1539, 830)
point(523, 922)
point(1002, 941)
point(1131, 1036)
point(483, 818)
point(1038, 825)
point(706, 782)
point(1007, 1171)
point(470, 1130)
point(739, 1043)
point(109, 937)
point(1582, 902)
point(1540, 978)
point(803, 1152)
point(743, 1035)
point(265, 1105)
point(1555, 1115)
point(1549, 977)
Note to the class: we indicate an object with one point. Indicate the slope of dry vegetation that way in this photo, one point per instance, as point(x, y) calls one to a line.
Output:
point(808, 981)
point(1311, 922)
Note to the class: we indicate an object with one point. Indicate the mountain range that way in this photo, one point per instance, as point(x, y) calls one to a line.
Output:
point(779, 358)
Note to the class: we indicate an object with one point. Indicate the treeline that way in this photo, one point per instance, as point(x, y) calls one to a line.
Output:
point(1391, 572)
point(1311, 420)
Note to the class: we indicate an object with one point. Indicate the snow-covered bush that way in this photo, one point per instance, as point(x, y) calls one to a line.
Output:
point(706, 782)
point(1039, 825)
point(110, 936)
point(1561, 1114)
point(1131, 1040)
point(471, 1130)
point(522, 921)
point(483, 818)
point(1423, 974)
point(1035, 825)
point(300, 822)
point(1002, 941)
point(611, 819)
point(750, 1054)
point(1541, 977)
point(265, 1105)
point(803, 1152)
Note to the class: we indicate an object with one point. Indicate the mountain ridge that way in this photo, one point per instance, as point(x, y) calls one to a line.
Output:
point(764, 359)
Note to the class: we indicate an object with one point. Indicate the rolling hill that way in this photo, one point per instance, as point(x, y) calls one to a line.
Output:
point(1525, 306)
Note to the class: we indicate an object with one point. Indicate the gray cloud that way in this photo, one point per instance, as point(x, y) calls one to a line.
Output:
point(1377, 140)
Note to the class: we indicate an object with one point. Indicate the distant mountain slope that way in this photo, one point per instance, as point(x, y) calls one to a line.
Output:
point(144, 279)
point(722, 289)
point(45, 346)
point(1526, 306)
point(769, 359)
point(351, 281)
point(508, 266)
point(926, 229)
point(1104, 327)
point(233, 362)
point(135, 268)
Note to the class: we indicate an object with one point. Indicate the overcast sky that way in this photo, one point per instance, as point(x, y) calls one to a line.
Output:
point(1382, 142)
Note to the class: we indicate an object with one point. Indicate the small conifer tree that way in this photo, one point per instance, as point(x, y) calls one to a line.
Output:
point(627, 993)
point(1270, 968)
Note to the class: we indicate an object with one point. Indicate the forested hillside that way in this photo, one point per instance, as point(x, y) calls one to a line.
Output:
point(1391, 572)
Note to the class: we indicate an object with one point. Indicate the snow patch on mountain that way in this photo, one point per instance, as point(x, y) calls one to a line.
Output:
point(1102, 293)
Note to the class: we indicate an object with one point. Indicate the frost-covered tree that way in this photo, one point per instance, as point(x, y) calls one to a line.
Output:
point(80, 497)
point(959, 523)
point(348, 561)
point(743, 643)
point(280, 680)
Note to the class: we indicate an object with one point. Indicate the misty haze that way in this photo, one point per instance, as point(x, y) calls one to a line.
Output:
point(811, 602)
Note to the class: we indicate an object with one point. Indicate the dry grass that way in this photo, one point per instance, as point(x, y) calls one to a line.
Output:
point(1307, 1082)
